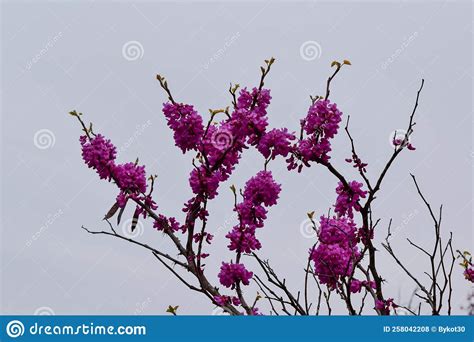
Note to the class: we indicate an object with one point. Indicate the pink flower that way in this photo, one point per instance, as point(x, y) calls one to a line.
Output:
point(203, 182)
point(122, 199)
point(231, 274)
point(130, 177)
point(321, 125)
point(337, 251)
point(186, 124)
point(469, 274)
point(340, 230)
point(262, 189)
point(170, 222)
point(204, 236)
point(99, 153)
point(242, 239)
point(356, 286)
point(357, 163)
point(246, 99)
point(323, 119)
point(250, 214)
point(331, 262)
point(276, 143)
point(251, 121)
point(385, 305)
point(226, 300)
point(348, 199)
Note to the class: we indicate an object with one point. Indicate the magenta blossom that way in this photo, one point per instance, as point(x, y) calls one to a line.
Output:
point(186, 124)
point(99, 154)
point(357, 285)
point(242, 239)
point(469, 274)
point(385, 305)
point(276, 142)
point(203, 182)
point(250, 117)
point(164, 222)
point(337, 251)
point(130, 177)
point(348, 198)
point(231, 274)
point(320, 125)
point(262, 189)
point(337, 230)
point(226, 300)
point(331, 262)
point(323, 119)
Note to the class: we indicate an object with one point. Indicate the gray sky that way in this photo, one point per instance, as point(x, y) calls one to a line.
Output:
point(62, 56)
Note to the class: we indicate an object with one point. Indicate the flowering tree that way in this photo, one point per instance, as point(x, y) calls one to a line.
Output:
point(341, 261)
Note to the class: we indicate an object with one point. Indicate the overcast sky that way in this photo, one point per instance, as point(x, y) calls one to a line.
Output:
point(101, 59)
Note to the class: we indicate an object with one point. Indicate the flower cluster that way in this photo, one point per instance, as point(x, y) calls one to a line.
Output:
point(251, 112)
point(337, 251)
point(204, 182)
point(469, 274)
point(130, 177)
point(357, 285)
point(220, 145)
point(226, 300)
point(357, 163)
point(260, 191)
point(323, 119)
point(231, 274)
point(348, 198)
point(320, 125)
point(276, 142)
point(186, 124)
point(242, 239)
point(168, 222)
point(99, 154)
